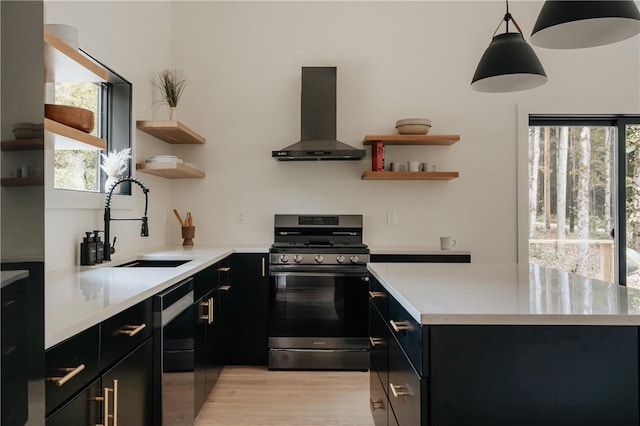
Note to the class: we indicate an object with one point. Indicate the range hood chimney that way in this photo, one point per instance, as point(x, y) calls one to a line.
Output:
point(318, 121)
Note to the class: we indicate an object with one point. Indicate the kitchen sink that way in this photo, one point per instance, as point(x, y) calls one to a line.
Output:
point(154, 263)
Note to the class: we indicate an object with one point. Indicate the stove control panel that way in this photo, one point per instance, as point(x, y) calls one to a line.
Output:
point(318, 259)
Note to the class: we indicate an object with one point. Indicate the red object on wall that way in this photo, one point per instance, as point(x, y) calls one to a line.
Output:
point(377, 156)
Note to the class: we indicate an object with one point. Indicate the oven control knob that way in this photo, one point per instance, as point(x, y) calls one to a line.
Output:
point(340, 259)
point(355, 259)
point(284, 258)
point(319, 258)
point(297, 258)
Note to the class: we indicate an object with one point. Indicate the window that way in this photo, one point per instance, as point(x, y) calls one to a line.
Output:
point(111, 105)
point(584, 195)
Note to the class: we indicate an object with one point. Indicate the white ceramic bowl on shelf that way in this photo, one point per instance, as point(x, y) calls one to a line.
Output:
point(413, 126)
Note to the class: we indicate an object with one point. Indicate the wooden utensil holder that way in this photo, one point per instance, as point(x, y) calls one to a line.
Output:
point(188, 233)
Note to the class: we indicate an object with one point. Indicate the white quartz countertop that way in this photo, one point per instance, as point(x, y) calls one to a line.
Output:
point(80, 297)
point(486, 293)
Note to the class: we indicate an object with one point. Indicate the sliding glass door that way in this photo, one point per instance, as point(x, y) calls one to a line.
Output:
point(584, 195)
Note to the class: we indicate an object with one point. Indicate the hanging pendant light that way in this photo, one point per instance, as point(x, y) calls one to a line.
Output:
point(580, 24)
point(509, 64)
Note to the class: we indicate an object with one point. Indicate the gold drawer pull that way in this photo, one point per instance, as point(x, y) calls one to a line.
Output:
point(132, 330)
point(205, 314)
point(224, 288)
point(71, 373)
point(377, 294)
point(377, 404)
point(224, 269)
point(376, 341)
point(115, 402)
point(400, 325)
point(399, 390)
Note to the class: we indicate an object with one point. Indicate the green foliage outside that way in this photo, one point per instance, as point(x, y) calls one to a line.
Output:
point(77, 169)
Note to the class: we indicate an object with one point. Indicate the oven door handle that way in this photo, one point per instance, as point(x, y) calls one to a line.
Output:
point(358, 273)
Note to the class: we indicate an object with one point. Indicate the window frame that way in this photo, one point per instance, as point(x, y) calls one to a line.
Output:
point(117, 124)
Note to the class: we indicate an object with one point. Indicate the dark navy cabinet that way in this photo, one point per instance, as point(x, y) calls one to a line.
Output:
point(244, 310)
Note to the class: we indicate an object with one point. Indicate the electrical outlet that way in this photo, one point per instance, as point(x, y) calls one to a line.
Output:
point(392, 217)
point(240, 218)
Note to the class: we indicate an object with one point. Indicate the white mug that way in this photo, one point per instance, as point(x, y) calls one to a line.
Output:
point(397, 167)
point(424, 167)
point(447, 243)
point(414, 166)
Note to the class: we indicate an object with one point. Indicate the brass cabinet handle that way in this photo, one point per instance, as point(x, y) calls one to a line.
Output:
point(377, 294)
point(71, 373)
point(224, 288)
point(400, 325)
point(105, 407)
point(224, 269)
point(376, 341)
point(377, 404)
point(263, 267)
point(210, 319)
point(203, 315)
point(399, 390)
point(132, 330)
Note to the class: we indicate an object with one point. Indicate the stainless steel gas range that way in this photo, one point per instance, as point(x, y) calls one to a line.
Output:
point(318, 293)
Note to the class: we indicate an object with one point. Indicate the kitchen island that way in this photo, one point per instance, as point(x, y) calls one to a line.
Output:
point(501, 344)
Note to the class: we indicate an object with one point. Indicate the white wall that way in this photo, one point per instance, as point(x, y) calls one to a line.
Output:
point(394, 59)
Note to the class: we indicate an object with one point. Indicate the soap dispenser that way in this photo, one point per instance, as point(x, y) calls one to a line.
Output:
point(88, 250)
point(99, 247)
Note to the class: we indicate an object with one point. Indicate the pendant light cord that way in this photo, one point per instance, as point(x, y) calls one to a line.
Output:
point(508, 17)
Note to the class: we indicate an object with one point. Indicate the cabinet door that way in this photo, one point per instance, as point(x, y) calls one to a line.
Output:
point(244, 311)
point(83, 410)
point(131, 382)
point(378, 403)
point(207, 347)
point(212, 370)
point(405, 388)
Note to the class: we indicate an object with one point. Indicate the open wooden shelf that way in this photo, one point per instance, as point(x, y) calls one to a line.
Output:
point(170, 131)
point(64, 63)
point(65, 137)
point(28, 181)
point(170, 170)
point(409, 175)
point(22, 145)
point(412, 139)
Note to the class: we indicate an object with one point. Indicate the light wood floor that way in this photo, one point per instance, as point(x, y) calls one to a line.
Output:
point(255, 396)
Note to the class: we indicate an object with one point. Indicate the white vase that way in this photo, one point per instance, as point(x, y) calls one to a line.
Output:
point(111, 180)
point(172, 113)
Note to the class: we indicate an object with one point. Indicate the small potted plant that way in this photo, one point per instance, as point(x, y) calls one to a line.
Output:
point(114, 164)
point(170, 83)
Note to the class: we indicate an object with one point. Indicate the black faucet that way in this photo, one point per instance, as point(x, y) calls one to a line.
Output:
point(144, 230)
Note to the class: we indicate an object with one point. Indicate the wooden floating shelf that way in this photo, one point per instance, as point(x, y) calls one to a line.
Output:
point(170, 131)
point(412, 139)
point(170, 170)
point(409, 175)
point(22, 145)
point(28, 181)
point(65, 137)
point(64, 63)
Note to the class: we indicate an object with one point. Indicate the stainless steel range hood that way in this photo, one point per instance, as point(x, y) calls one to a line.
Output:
point(318, 121)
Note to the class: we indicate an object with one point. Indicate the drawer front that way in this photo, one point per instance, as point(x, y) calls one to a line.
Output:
point(378, 402)
point(413, 337)
point(379, 296)
point(407, 390)
point(123, 332)
point(205, 281)
point(83, 410)
point(70, 365)
point(378, 345)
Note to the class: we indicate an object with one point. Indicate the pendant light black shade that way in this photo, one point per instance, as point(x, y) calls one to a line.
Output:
point(509, 64)
point(579, 24)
